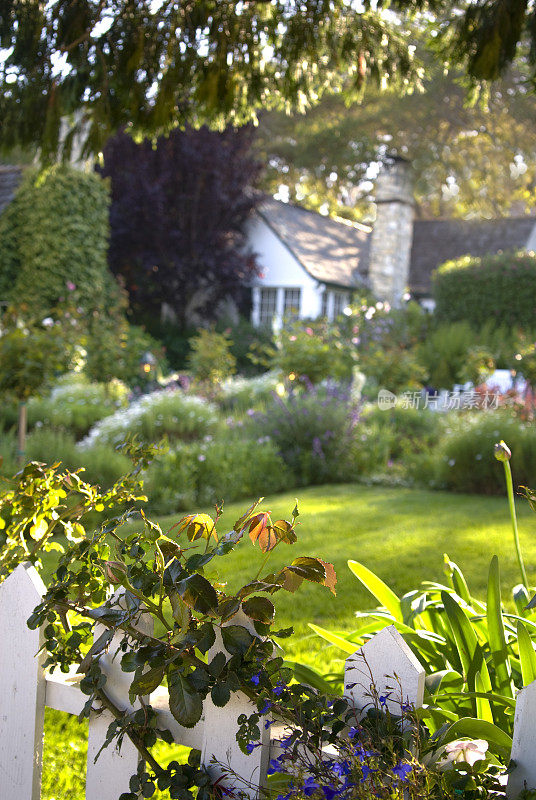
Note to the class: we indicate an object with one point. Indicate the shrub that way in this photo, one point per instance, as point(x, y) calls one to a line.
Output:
point(240, 394)
point(451, 356)
point(499, 287)
point(464, 459)
point(102, 464)
point(162, 413)
point(317, 351)
point(385, 339)
point(75, 404)
point(234, 467)
point(210, 359)
point(204, 473)
point(55, 231)
point(313, 432)
point(392, 368)
point(406, 429)
point(247, 341)
point(171, 481)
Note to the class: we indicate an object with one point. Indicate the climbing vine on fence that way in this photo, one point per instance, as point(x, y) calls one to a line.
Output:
point(114, 584)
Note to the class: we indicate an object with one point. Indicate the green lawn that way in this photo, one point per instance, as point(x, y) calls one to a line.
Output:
point(399, 533)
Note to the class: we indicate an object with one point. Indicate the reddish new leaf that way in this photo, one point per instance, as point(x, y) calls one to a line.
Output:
point(261, 532)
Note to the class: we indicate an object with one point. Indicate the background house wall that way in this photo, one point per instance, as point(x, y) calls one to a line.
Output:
point(280, 269)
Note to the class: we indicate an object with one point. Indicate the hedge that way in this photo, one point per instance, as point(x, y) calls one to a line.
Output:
point(500, 288)
point(55, 230)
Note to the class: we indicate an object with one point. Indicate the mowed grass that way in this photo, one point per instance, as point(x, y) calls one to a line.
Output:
point(401, 534)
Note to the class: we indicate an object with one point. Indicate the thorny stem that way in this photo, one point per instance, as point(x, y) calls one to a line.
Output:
point(136, 741)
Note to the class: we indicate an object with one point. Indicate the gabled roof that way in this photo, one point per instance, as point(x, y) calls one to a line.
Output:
point(330, 251)
point(10, 178)
point(438, 240)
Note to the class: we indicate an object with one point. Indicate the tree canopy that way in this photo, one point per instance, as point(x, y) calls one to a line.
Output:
point(469, 160)
point(155, 64)
point(177, 218)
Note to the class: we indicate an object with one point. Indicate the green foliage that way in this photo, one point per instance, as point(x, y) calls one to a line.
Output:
point(469, 649)
point(386, 340)
point(32, 351)
point(239, 394)
point(202, 474)
point(313, 431)
point(464, 459)
point(501, 288)
point(450, 356)
point(55, 233)
point(75, 404)
point(405, 430)
point(314, 351)
point(245, 340)
point(167, 412)
point(164, 583)
point(210, 359)
point(43, 501)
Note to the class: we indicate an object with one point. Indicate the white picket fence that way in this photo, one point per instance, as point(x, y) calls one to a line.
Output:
point(26, 689)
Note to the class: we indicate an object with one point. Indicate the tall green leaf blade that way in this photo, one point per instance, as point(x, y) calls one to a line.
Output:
point(527, 655)
point(333, 638)
point(385, 596)
point(310, 676)
point(469, 649)
point(496, 636)
point(457, 580)
point(483, 708)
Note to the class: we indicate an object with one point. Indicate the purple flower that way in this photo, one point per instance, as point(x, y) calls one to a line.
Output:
point(402, 771)
point(266, 707)
point(365, 771)
point(384, 698)
point(255, 679)
point(310, 786)
point(279, 688)
point(341, 768)
point(329, 792)
point(286, 740)
point(275, 766)
point(250, 747)
point(71, 286)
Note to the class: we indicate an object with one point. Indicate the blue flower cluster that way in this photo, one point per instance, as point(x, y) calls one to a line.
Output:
point(339, 777)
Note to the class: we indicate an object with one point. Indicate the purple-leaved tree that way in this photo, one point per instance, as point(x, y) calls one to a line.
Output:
point(178, 215)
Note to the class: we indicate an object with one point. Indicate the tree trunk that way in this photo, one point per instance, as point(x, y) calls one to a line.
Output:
point(21, 452)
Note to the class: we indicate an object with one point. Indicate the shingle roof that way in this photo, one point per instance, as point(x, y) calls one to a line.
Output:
point(332, 252)
point(439, 240)
point(9, 180)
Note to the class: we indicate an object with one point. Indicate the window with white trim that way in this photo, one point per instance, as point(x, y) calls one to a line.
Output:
point(267, 306)
point(339, 303)
point(325, 300)
point(291, 303)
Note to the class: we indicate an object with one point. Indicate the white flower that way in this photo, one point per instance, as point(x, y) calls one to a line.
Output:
point(464, 750)
point(48, 322)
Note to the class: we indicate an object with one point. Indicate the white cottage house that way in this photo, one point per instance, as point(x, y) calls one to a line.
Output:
point(311, 264)
point(308, 262)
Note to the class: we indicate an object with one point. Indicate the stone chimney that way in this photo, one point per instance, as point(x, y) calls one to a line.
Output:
point(392, 234)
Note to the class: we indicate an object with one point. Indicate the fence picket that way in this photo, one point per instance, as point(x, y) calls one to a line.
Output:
point(524, 743)
point(22, 683)
point(108, 777)
point(385, 667)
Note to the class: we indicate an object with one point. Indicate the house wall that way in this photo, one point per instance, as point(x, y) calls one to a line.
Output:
point(280, 269)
